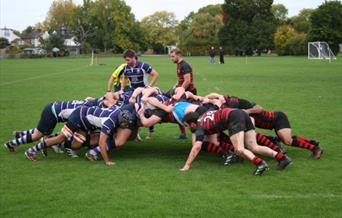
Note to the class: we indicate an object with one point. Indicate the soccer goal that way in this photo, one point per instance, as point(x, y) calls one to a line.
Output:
point(320, 50)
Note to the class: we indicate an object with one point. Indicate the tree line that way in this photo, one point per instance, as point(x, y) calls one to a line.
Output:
point(236, 25)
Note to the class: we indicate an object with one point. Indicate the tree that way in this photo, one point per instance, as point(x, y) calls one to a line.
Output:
point(27, 30)
point(247, 24)
point(3, 42)
point(60, 14)
point(280, 13)
point(326, 23)
point(198, 31)
point(302, 22)
point(289, 42)
point(160, 29)
point(54, 41)
point(82, 26)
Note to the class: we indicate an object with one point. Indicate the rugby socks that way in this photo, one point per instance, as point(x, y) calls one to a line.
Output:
point(299, 142)
point(227, 146)
point(314, 142)
point(21, 140)
point(279, 156)
point(263, 140)
point(19, 134)
point(40, 146)
point(212, 148)
point(256, 160)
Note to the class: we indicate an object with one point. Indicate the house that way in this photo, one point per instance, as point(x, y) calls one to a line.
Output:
point(69, 41)
point(33, 38)
point(8, 34)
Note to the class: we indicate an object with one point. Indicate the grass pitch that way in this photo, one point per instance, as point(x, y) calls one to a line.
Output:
point(146, 182)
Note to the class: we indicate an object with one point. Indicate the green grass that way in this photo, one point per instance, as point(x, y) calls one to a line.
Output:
point(146, 182)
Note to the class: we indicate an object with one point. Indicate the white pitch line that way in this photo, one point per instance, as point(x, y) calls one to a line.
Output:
point(38, 77)
point(272, 196)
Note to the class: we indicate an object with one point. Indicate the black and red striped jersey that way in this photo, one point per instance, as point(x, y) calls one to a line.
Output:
point(212, 122)
point(236, 102)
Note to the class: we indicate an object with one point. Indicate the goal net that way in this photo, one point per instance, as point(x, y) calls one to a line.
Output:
point(320, 50)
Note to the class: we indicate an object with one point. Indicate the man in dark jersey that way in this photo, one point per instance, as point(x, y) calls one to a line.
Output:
point(276, 120)
point(241, 132)
point(185, 78)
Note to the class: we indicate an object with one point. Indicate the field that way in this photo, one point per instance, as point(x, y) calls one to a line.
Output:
point(146, 181)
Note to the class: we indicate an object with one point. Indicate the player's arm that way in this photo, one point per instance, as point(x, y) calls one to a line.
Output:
point(214, 95)
point(190, 95)
point(110, 83)
point(123, 83)
point(147, 92)
point(147, 122)
point(135, 94)
point(257, 109)
point(196, 147)
point(186, 82)
point(179, 91)
point(103, 149)
point(153, 101)
point(154, 77)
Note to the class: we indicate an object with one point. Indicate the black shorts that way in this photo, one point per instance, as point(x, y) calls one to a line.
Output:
point(239, 121)
point(281, 121)
point(47, 121)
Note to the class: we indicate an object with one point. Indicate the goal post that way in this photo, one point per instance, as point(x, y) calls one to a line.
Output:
point(320, 51)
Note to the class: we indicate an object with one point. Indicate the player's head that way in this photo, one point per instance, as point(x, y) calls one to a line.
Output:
point(148, 113)
point(130, 57)
point(175, 55)
point(190, 120)
point(126, 119)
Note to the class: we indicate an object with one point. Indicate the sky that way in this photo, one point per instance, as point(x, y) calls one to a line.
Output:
point(18, 14)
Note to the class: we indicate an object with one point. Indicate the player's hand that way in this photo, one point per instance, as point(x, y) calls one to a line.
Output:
point(169, 108)
point(185, 168)
point(110, 163)
point(132, 100)
point(144, 100)
point(175, 97)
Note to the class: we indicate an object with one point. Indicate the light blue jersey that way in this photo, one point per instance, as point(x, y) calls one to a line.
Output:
point(178, 111)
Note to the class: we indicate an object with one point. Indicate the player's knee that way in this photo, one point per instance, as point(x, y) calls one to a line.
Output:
point(68, 133)
point(239, 151)
point(79, 137)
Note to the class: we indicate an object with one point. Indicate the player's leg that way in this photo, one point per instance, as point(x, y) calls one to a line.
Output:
point(237, 140)
point(284, 132)
point(45, 126)
point(19, 133)
point(265, 141)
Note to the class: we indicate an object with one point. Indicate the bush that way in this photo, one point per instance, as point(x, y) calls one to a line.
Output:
point(289, 42)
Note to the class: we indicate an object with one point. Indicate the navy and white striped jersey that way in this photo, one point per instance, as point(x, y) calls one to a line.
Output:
point(105, 119)
point(63, 109)
point(138, 74)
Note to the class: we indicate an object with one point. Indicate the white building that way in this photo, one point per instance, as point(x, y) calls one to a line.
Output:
point(8, 34)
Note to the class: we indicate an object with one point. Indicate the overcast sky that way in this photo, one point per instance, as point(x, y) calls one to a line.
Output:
point(18, 14)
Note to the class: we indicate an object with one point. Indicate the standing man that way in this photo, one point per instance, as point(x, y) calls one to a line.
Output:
point(137, 73)
point(212, 55)
point(185, 78)
point(221, 55)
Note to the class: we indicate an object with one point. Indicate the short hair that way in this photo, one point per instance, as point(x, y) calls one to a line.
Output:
point(129, 53)
point(177, 51)
point(191, 117)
